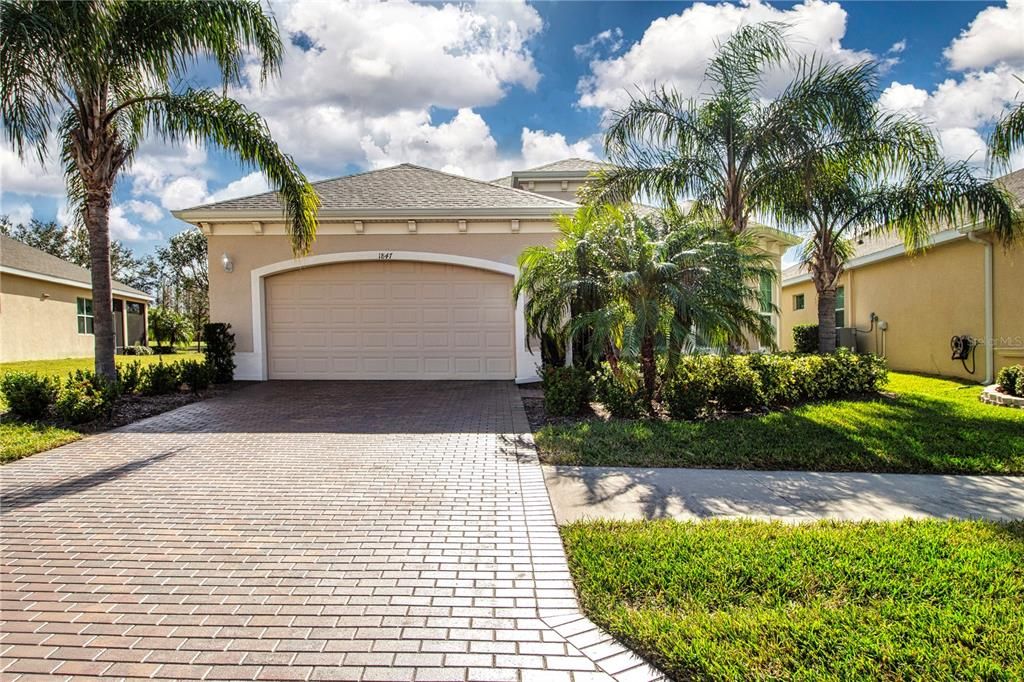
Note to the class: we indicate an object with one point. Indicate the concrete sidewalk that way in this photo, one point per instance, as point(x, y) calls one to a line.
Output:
point(627, 493)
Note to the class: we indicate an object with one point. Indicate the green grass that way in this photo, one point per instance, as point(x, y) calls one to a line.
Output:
point(19, 439)
point(728, 600)
point(932, 425)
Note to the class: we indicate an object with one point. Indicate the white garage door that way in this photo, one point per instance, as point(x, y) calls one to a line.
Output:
point(390, 320)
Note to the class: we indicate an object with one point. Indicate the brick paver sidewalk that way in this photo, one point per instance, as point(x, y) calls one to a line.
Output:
point(328, 530)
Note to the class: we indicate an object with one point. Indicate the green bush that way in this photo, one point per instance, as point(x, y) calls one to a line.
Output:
point(86, 397)
point(159, 379)
point(622, 395)
point(197, 375)
point(566, 390)
point(776, 372)
point(220, 351)
point(1020, 385)
point(138, 349)
point(28, 396)
point(688, 392)
point(130, 377)
point(805, 338)
point(1009, 379)
point(738, 387)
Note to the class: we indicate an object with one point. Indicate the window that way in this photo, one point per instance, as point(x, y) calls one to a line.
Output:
point(85, 316)
point(766, 296)
point(798, 302)
point(840, 307)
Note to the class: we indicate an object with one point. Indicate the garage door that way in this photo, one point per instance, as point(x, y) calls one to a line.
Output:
point(390, 320)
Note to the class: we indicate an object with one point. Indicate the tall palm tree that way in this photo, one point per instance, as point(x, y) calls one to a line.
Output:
point(1008, 135)
point(640, 286)
point(888, 177)
point(101, 75)
point(725, 149)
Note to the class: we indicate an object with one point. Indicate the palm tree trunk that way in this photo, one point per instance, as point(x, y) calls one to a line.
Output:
point(97, 215)
point(648, 367)
point(826, 319)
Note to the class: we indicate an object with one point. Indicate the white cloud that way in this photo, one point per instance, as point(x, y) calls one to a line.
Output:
point(253, 183)
point(18, 213)
point(146, 210)
point(183, 192)
point(540, 148)
point(995, 36)
point(124, 229)
point(675, 50)
point(902, 97)
point(608, 41)
point(897, 47)
point(962, 144)
point(29, 176)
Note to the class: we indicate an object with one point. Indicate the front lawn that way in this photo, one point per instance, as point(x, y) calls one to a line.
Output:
point(928, 425)
point(739, 600)
point(18, 439)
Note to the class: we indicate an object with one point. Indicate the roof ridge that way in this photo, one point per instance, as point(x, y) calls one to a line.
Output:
point(532, 195)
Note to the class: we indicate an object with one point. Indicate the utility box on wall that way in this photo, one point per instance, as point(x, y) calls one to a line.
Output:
point(846, 337)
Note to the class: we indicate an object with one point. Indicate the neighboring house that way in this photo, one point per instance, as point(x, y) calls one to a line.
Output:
point(46, 307)
point(410, 276)
point(961, 285)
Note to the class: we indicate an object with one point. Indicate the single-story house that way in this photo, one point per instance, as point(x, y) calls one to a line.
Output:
point(410, 276)
point(909, 307)
point(46, 307)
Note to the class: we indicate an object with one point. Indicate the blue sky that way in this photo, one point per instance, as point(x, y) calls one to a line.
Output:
point(481, 89)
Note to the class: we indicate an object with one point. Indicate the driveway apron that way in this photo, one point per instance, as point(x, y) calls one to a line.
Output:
point(298, 530)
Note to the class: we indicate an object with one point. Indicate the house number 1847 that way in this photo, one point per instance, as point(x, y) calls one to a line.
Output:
point(385, 255)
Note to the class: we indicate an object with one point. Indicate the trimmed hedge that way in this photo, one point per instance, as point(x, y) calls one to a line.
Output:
point(220, 351)
point(735, 383)
point(805, 338)
point(86, 397)
point(566, 390)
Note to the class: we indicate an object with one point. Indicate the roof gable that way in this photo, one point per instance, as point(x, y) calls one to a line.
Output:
point(404, 188)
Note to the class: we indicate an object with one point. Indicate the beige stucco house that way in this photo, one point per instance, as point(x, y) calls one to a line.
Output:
point(963, 284)
point(46, 307)
point(410, 276)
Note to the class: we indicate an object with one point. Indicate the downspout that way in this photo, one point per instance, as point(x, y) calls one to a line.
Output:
point(989, 322)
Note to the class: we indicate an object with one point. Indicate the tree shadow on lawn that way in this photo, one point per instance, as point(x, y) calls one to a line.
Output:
point(907, 434)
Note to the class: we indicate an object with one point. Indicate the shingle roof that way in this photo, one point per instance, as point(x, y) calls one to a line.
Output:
point(404, 187)
point(19, 256)
point(874, 242)
point(562, 166)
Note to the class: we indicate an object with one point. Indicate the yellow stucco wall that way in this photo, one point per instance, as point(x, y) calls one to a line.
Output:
point(926, 299)
point(38, 320)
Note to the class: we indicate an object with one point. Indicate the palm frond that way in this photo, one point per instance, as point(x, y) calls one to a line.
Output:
point(1007, 136)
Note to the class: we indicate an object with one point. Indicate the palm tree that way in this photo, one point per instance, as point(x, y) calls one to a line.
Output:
point(1008, 135)
point(100, 74)
point(639, 286)
point(725, 149)
point(888, 177)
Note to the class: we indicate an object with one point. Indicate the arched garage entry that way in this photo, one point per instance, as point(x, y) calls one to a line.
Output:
point(394, 315)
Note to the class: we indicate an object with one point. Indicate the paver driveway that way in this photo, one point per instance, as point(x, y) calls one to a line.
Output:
point(352, 530)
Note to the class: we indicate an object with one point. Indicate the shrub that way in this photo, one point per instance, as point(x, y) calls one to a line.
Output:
point(738, 387)
point(220, 351)
point(29, 396)
point(159, 379)
point(130, 377)
point(776, 372)
point(1020, 385)
point(86, 397)
point(566, 390)
point(688, 392)
point(1009, 378)
point(805, 338)
point(197, 375)
point(622, 395)
point(138, 349)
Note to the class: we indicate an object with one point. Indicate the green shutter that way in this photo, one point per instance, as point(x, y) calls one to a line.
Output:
point(766, 293)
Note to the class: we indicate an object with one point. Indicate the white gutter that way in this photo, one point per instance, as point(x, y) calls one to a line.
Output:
point(989, 318)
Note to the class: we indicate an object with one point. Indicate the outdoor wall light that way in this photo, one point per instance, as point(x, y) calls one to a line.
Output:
point(228, 264)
